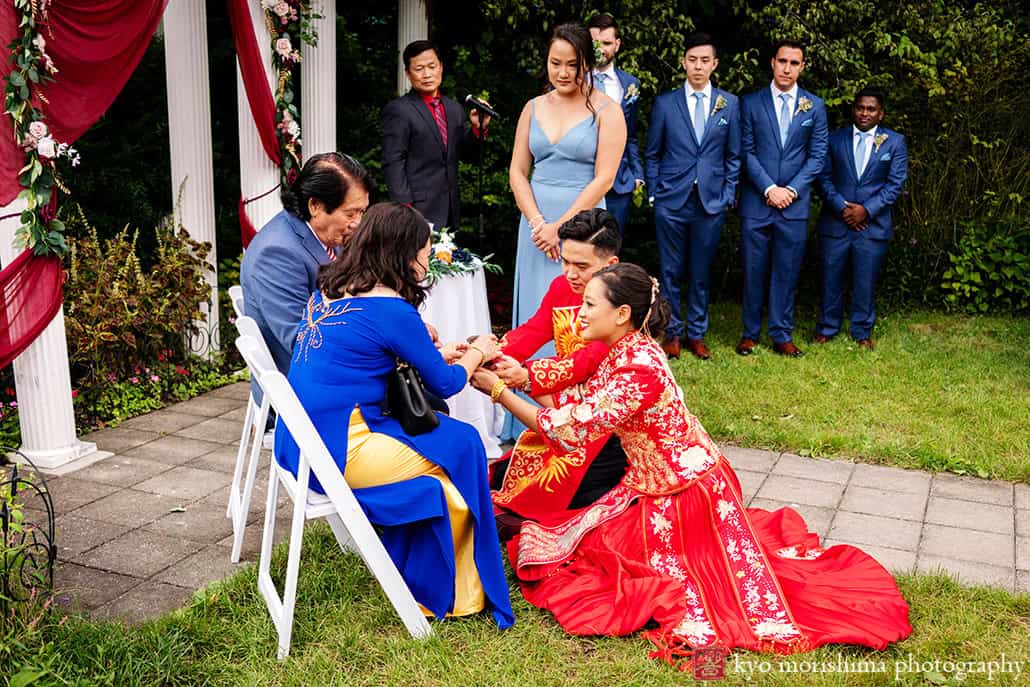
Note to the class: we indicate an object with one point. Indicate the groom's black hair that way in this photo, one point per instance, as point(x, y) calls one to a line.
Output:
point(596, 227)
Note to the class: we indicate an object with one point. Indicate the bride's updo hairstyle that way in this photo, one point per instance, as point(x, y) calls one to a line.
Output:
point(629, 284)
point(380, 252)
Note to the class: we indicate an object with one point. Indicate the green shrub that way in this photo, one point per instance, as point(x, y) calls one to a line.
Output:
point(990, 267)
point(117, 315)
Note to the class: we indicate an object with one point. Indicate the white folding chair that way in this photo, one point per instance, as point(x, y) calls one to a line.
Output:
point(251, 438)
point(338, 506)
point(236, 296)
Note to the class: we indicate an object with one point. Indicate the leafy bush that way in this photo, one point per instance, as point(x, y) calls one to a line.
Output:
point(117, 314)
point(990, 267)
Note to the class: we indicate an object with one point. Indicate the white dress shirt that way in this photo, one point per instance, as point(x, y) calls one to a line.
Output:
point(868, 146)
point(792, 104)
point(612, 85)
point(324, 247)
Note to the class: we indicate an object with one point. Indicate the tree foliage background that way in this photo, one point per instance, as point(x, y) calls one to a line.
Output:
point(955, 72)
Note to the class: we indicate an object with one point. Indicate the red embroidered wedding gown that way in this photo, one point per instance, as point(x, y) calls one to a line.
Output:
point(673, 542)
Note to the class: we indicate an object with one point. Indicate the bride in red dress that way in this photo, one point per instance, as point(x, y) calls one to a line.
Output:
point(672, 542)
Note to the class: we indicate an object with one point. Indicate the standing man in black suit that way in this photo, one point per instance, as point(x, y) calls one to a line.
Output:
point(424, 135)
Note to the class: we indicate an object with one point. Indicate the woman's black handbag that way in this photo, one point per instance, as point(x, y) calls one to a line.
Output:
point(406, 401)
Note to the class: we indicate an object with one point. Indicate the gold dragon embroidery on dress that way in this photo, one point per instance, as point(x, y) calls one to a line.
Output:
point(549, 373)
point(564, 325)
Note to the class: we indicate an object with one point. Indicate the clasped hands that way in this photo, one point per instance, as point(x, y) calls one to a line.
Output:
point(780, 197)
point(855, 216)
point(484, 345)
point(544, 236)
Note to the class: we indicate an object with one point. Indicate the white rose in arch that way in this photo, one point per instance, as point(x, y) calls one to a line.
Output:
point(38, 130)
point(46, 147)
point(292, 128)
point(283, 47)
point(281, 8)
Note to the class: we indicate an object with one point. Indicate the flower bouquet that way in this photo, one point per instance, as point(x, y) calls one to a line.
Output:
point(445, 258)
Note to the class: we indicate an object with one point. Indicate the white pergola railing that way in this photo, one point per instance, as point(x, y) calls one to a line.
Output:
point(41, 372)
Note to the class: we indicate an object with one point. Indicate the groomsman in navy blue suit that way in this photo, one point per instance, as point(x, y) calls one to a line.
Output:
point(623, 88)
point(861, 181)
point(784, 137)
point(692, 169)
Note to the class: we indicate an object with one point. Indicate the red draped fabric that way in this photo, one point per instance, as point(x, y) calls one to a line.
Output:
point(259, 95)
point(96, 45)
point(30, 293)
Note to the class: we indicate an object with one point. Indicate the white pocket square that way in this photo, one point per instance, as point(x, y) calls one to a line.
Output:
point(722, 121)
point(886, 157)
point(807, 122)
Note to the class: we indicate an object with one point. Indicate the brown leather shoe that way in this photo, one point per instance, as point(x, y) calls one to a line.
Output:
point(789, 349)
point(698, 348)
point(746, 347)
point(821, 339)
point(866, 343)
point(672, 347)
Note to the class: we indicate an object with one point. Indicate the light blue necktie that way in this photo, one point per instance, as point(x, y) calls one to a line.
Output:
point(860, 153)
point(699, 116)
point(599, 79)
point(784, 117)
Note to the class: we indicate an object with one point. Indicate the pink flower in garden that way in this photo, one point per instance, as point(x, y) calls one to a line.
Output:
point(281, 8)
point(284, 47)
point(155, 378)
point(182, 370)
point(38, 130)
point(134, 380)
point(14, 404)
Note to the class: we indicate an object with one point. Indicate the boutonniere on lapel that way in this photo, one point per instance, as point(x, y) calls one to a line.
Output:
point(878, 141)
point(804, 105)
point(720, 103)
point(632, 93)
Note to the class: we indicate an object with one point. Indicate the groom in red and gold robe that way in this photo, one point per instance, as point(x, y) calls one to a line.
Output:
point(545, 490)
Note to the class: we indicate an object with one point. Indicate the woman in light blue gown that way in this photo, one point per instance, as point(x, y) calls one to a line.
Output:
point(573, 142)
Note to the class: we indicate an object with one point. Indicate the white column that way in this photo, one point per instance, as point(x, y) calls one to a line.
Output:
point(258, 174)
point(412, 25)
point(189, 129)
point(43, 380)
point(318, 85)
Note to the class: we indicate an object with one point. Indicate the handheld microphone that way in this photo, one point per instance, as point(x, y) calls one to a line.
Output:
point(466, 98)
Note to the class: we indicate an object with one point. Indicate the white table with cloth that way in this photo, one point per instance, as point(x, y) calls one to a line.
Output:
point(457, 306)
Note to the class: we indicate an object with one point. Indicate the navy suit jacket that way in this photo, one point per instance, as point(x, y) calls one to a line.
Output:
point(278, 276)
point(877, 190)
point(797, 164)
point(675, 159)
point(630, 168)
point(418, 169)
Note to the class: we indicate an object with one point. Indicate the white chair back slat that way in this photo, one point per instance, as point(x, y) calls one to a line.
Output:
point(236, 296)
point(251, 438)
point(341, 508)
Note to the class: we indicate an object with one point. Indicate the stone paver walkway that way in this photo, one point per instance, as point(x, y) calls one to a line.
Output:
point(141, 530)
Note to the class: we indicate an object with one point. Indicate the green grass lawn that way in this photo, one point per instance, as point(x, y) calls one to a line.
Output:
point(940, 392)
point(347, 634)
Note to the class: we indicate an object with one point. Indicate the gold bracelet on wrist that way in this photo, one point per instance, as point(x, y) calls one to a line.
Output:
point(497, 389)
point(480, 351)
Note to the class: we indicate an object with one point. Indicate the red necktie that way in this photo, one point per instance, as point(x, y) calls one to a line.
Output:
point(331, 253)
point(441, 120)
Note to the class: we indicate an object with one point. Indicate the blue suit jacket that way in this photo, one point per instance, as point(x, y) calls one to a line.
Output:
point(675, 160)
point(797, 164)
point(630, 168)
point(278, 276)
point(877, 190)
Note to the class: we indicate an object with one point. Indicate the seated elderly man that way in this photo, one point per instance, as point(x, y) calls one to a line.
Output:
point(320, 210)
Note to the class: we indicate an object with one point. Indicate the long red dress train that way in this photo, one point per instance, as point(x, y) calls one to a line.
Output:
point(673, 542)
